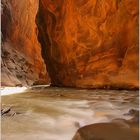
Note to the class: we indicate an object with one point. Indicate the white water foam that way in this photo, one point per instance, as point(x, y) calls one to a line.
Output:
point(12, 90)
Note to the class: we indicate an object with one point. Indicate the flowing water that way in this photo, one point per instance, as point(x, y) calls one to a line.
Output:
point(57, 113)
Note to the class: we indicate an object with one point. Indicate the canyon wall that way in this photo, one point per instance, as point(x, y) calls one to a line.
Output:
point(22, 63)
point(90, 43)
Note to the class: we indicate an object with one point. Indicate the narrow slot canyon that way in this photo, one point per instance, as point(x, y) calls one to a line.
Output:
point(70, 69)
point(84, 44)
point(90, 44)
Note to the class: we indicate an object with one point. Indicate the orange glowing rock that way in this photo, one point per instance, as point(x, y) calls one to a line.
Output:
point(22, 62)
point(90, 43)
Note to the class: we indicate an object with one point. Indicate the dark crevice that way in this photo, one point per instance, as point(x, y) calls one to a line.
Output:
point(43, 38)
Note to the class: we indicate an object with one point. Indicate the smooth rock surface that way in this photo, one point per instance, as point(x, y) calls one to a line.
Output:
point(108, 131)
point(90, 43)
point(22, 62)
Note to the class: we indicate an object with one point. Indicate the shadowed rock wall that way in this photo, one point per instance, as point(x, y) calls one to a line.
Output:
point(90, 43)
point(22, 63)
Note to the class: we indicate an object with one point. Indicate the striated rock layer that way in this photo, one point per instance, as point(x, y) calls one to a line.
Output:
point(22, 63)
point(90, 43)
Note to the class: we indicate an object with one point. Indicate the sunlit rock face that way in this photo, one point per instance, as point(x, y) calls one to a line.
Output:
point(22, 63)
point(90, 43)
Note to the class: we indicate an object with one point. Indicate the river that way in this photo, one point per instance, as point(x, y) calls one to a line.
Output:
point(53, 113)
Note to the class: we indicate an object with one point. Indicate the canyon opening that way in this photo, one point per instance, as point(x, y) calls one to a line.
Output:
point(70, 69)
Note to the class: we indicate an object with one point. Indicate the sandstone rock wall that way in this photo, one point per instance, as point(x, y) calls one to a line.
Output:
point(22, 63)
point(90, 43)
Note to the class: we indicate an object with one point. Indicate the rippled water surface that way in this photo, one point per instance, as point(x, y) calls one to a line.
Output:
point(57, 113)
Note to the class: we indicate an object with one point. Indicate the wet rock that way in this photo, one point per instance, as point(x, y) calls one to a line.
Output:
point(7, 111)
point(135, 114)
point(132, 112)
point(106, 131)
point(40, 82)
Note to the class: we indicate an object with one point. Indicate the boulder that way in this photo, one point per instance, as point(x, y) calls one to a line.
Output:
point(108, 131)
